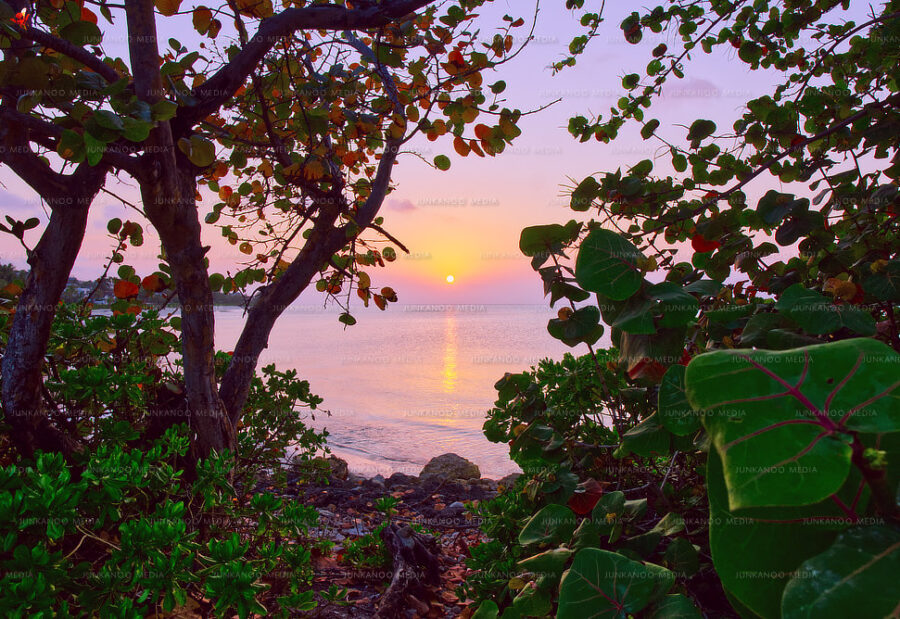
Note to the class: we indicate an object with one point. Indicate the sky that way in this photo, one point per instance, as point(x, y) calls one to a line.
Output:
point(466, 222)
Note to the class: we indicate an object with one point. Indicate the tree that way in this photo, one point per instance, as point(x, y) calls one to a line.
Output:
point(785, 316)
point(296, 127)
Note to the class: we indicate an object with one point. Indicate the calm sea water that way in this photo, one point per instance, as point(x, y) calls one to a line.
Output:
point(408, 384)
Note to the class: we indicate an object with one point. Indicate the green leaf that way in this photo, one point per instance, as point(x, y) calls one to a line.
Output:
point(607, 264)
point(754, 558)
point(585, 194)
point(487, 610)
point(136, 130)
point(648, 439)
point(885, 285)
point(81, 33)
point(442, 162)
point(108, 120)
point(649, 129)
point(94, 148)
point(682, 558)
point(553, 523)
point(71, 146)
point(536, 240)
point(700, 130)
point(606, 584)
point(856, 577)
point(578, 326)
point(347, 319)
point(549, 562)
point(676, 307)
point(780, 420)
point(814, 312)
point(532, 602)
point(675, 412)
point(675, 606)
point(608, 510)
point(200, 151)
point(774, 206)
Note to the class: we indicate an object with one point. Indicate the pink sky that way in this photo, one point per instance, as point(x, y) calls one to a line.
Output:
point(466, 221)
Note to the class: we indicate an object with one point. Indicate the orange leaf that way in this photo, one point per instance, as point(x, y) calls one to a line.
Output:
point(88, 15)
point(482, 132)
point(124, 289)
point(461, 146)
point(153, 283)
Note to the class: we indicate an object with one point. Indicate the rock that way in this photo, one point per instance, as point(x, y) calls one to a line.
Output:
point(336, 466)
point(450, 466)
point(510, 480)
point(356, 530)
point(401, 479)
point(339, 468)
point(456, 505)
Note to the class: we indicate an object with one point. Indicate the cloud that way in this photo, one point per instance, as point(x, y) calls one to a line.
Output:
point(400, 205)
point(10, 202)
point(691, 88)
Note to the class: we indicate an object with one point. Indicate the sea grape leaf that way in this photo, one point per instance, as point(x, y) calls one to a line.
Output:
point(648, 438)
point(775, 206)
point(584, 194)
point(676, 307)
point(553, 523)
point(549, 562)
point(606, 584)
point(814, 312)
point(780, 420)
point(674, 606)
point(608, 510)
point(754, 558)
point(856, 577)
point(579, 325)
point(675, 412)
point(487, 610)
point(536, 240)
point(607, 263)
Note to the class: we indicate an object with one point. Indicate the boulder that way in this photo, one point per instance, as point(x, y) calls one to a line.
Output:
point(401, 479)
point(509, 481)
point(450, 466)
point(336, 466)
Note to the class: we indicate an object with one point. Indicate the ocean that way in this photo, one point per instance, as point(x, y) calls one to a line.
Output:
point(408, 384)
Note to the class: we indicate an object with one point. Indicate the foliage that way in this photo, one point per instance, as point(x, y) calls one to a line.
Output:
point(784, 314)
point(572, 494)
point(126, 530)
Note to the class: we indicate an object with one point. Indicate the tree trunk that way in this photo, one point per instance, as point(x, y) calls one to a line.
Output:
point(51, 263)
point(168, 190)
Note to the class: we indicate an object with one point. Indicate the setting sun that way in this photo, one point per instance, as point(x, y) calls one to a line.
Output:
point(450, 279)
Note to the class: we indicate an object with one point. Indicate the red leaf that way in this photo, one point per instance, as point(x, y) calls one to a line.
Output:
point(586, 496)
point(701, 245)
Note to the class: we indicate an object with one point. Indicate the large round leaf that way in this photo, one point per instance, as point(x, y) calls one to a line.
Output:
point(780, 420)
point(606, 584)
point(553, 523)
point(755, 558)
point(675, 606)
point(856, 577)
point(607, 263)
point(809, 309)
point(675, 412)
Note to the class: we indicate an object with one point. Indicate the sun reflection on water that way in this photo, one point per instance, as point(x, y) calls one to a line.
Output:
point(450, 362)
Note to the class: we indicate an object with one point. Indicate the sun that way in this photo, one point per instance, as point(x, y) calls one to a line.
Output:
point(450, 279)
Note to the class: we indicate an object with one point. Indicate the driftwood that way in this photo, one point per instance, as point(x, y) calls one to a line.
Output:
point(415, 564)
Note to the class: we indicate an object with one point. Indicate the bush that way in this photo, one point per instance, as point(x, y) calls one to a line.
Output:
point(127, 529)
